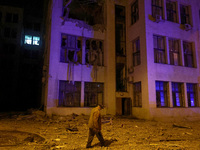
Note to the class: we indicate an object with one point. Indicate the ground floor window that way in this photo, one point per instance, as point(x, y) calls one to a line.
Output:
point(191, 95)
point(177, 94)
point(137, 95)
point(69, 94)
point(161, 94)
point(93, 94)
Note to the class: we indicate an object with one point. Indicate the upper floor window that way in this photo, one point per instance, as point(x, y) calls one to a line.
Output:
point(157, 8)
point(93, 94)
point(69, 94)
point(0, 16)
point(161, 94)
point(10, 32)
point(12, 18)
point(171, 11)
point(188, 54)
point(70, 49)
point(136, 52)
point(159, 49)
point(94, 52)
point(137, 99)
point(32, 40)
point(134, 12)
point(185, 17)
point(174, 52)
point(192, 95)
point(177, 92)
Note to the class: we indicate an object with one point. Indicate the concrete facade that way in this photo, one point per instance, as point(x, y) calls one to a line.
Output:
point(148, 72)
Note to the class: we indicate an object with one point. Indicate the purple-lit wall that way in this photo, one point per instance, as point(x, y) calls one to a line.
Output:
point(147, 72)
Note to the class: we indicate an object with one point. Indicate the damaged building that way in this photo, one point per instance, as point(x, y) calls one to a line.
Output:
point(137, 57)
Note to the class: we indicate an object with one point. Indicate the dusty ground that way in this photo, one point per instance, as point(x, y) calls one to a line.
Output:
point(35, 131)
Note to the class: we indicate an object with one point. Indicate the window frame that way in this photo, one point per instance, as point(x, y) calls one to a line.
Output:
point(171, 12)
point(31, 40)
point(177, 90)
point(134, 12)
point(93, 89)
point(157, 9)
point(188, 54)
point(96, 50)
point(185, 16)
point(173, 51)
point(190, 91)
point(159, 50)
point(136, 52)
point(71, 45)
point(163, 90)
point(137, 94)
point(69, 90)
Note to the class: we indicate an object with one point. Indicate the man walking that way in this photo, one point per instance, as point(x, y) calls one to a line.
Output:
point(94, 125)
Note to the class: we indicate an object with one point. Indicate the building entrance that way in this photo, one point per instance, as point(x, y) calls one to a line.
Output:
point(123, 106)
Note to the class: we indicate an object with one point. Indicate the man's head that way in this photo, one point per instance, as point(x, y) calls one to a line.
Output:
point(101, 106)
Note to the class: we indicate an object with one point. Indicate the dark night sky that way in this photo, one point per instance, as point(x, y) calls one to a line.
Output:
point(32, 7)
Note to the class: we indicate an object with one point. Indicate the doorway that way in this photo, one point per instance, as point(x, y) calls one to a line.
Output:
point(123, 106)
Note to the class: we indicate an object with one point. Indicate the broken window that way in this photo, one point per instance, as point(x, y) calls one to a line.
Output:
point(171, 11)
point(157, 8)
point(177, 91)
point(70, 49)
point(192, 95)
point(174, 52)
point(185, 17)
point(159, 49)
point(90, 11)
point(94, 52)
point(136, 52)
point(134, 12)
point(137, 94)
point(69, 94)
point(94, 93)
point(161, 94)
point(188, 54)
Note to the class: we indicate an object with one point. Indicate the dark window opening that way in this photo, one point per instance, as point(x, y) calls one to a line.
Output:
point(121, 82)
point(174, 52)
point(70, 49)
point(69, 94)
point(159, 49)
point(171, 11)
point(185, 17)
point(94, 93)
point(94, 52)
point(136, 52)
point(188, 54)
point(89, 11)
point(134, 12)
point(157, 8)
point(137, 94)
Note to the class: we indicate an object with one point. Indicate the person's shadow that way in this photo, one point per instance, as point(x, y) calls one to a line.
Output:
point(106, 144)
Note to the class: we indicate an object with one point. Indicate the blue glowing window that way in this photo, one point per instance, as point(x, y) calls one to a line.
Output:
point(161, 94)
point(191, 95)
point(32, 40)
point(36, 40)
point(177, 94)
point(28, 39)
